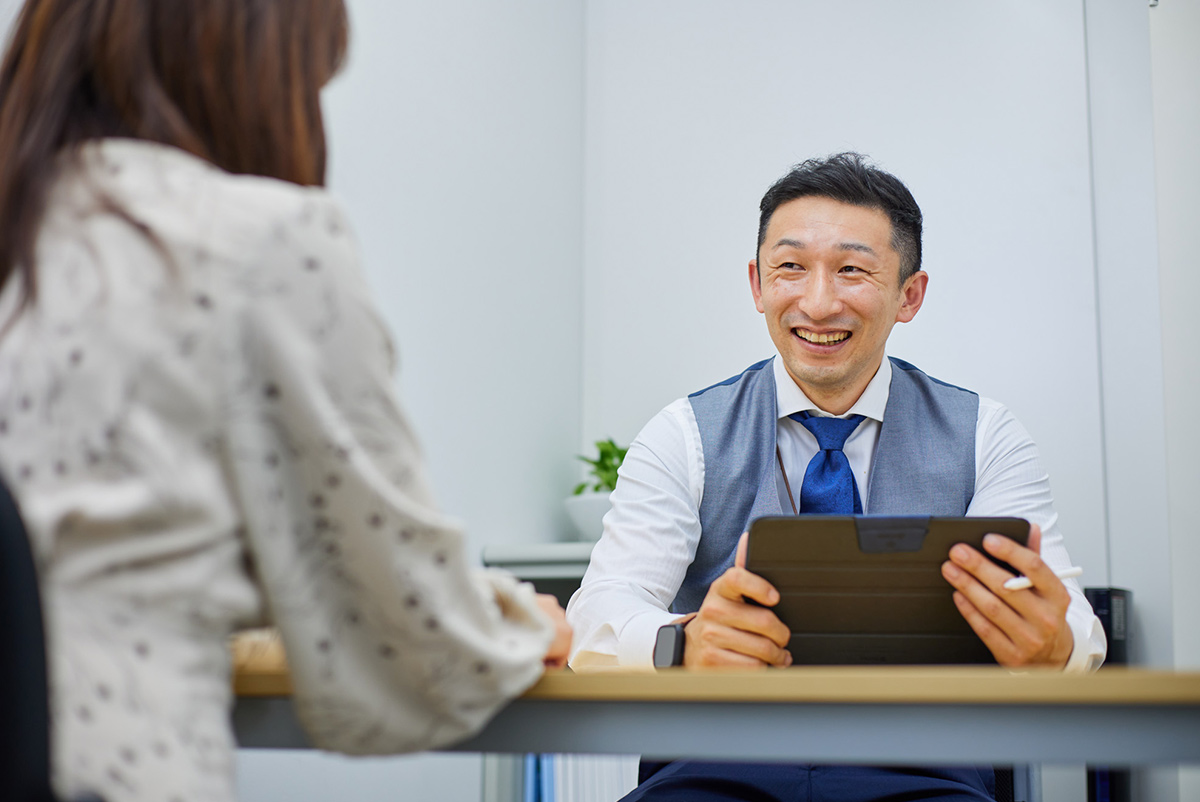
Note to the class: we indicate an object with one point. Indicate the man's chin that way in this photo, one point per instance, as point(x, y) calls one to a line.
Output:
point(818, 379)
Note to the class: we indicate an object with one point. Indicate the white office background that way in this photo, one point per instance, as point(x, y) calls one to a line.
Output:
point(556, 201)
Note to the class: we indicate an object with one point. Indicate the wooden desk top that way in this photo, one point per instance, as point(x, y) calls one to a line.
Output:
point(260, 669)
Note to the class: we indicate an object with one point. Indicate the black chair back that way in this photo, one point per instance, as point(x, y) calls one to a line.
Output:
point(24, 697)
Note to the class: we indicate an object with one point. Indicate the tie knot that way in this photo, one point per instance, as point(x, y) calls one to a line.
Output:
point(831, 433)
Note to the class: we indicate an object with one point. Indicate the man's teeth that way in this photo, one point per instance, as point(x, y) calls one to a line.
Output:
point(823, 339)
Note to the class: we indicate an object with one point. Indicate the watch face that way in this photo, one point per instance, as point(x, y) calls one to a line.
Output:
point(668, 646)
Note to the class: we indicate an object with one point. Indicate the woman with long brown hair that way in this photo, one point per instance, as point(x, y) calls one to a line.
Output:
point(196, 412)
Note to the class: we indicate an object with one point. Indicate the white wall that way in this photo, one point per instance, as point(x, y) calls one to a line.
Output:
point(1174, 32)
point(1122, 143)
point(456, 143)
point(8, 14)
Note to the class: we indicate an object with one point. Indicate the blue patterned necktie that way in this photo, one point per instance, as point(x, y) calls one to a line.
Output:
point(829, 487)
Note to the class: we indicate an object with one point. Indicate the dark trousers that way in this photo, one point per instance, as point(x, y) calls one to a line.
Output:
point(696, 781)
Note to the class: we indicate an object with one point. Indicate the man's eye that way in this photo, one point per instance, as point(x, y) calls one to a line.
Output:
point(850, 269)
point(790, 266)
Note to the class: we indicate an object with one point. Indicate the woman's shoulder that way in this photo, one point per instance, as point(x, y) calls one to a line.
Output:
point(250, 240)
point(183, 197)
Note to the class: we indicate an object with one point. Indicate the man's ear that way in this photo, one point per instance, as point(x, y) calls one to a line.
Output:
point(756, 285)
point(913, 293)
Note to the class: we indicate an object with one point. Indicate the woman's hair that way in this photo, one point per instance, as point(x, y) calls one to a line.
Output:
point(235, 82)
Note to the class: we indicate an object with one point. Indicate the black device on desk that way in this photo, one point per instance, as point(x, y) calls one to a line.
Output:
point(868, 589)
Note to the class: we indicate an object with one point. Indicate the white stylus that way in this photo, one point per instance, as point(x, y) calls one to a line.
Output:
point(1022, 582)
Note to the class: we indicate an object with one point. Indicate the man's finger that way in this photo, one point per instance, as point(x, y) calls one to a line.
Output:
point(711, 642)
point(738, 615)
point(978, 590)
point(738, 584)
point(1026, 560)
point(755, 646)
point(997, 641)
point(739, 556)
point(723, 658)
point(1035, 539)
point(979, 566)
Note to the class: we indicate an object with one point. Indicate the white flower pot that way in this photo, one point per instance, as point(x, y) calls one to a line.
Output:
point(587, 511)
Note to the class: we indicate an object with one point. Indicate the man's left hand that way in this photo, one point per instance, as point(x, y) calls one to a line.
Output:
point(1021, 627)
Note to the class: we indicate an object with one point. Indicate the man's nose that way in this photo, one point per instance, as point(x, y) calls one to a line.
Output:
point(820, 299)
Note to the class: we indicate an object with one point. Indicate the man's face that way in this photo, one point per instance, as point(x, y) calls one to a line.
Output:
point(828, 281)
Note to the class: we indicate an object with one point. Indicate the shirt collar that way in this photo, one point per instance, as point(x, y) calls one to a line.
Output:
point(790, 399)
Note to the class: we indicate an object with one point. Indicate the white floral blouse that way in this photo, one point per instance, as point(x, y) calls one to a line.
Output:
point(198, 422)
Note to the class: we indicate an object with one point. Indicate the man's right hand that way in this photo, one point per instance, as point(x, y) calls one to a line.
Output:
point(729, 631)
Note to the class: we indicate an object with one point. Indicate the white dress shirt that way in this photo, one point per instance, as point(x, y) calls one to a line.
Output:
point(651, 533)
point(198, 421)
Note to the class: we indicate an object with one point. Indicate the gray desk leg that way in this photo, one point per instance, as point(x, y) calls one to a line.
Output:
point(1159, 784)
point(1064, 782)
point(503, 778)
point(1024, 785)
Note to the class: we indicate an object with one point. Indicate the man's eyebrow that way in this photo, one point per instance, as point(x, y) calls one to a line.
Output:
point(856, 246)
point(788, 243)
point(860, 247)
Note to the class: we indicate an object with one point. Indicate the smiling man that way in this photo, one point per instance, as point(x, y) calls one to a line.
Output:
point(831, 425)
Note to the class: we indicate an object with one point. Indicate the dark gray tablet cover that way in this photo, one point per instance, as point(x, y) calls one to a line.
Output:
point(868, 589)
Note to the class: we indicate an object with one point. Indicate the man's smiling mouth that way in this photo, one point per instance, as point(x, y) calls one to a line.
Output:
point(822, 339)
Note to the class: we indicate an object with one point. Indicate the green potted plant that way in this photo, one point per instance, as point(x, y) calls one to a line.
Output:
point(589, 503)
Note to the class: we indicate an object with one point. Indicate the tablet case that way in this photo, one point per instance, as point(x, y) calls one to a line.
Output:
point(868, 589)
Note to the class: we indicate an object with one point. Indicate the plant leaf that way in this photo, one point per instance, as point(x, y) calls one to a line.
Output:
point(603, 469)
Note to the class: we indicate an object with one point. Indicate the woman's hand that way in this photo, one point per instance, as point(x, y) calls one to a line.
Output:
point(560, 647)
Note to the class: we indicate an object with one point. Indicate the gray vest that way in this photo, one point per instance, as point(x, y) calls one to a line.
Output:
point(924, 462)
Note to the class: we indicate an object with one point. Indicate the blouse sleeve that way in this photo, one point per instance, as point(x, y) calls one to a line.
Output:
point(394, 642)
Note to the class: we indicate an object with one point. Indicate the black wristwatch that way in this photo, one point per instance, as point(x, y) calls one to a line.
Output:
point(668, 646)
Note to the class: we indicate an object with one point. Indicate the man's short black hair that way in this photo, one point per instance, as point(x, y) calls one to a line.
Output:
point(850, 178)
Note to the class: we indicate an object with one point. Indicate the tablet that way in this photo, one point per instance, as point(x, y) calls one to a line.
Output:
point(868, 589)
